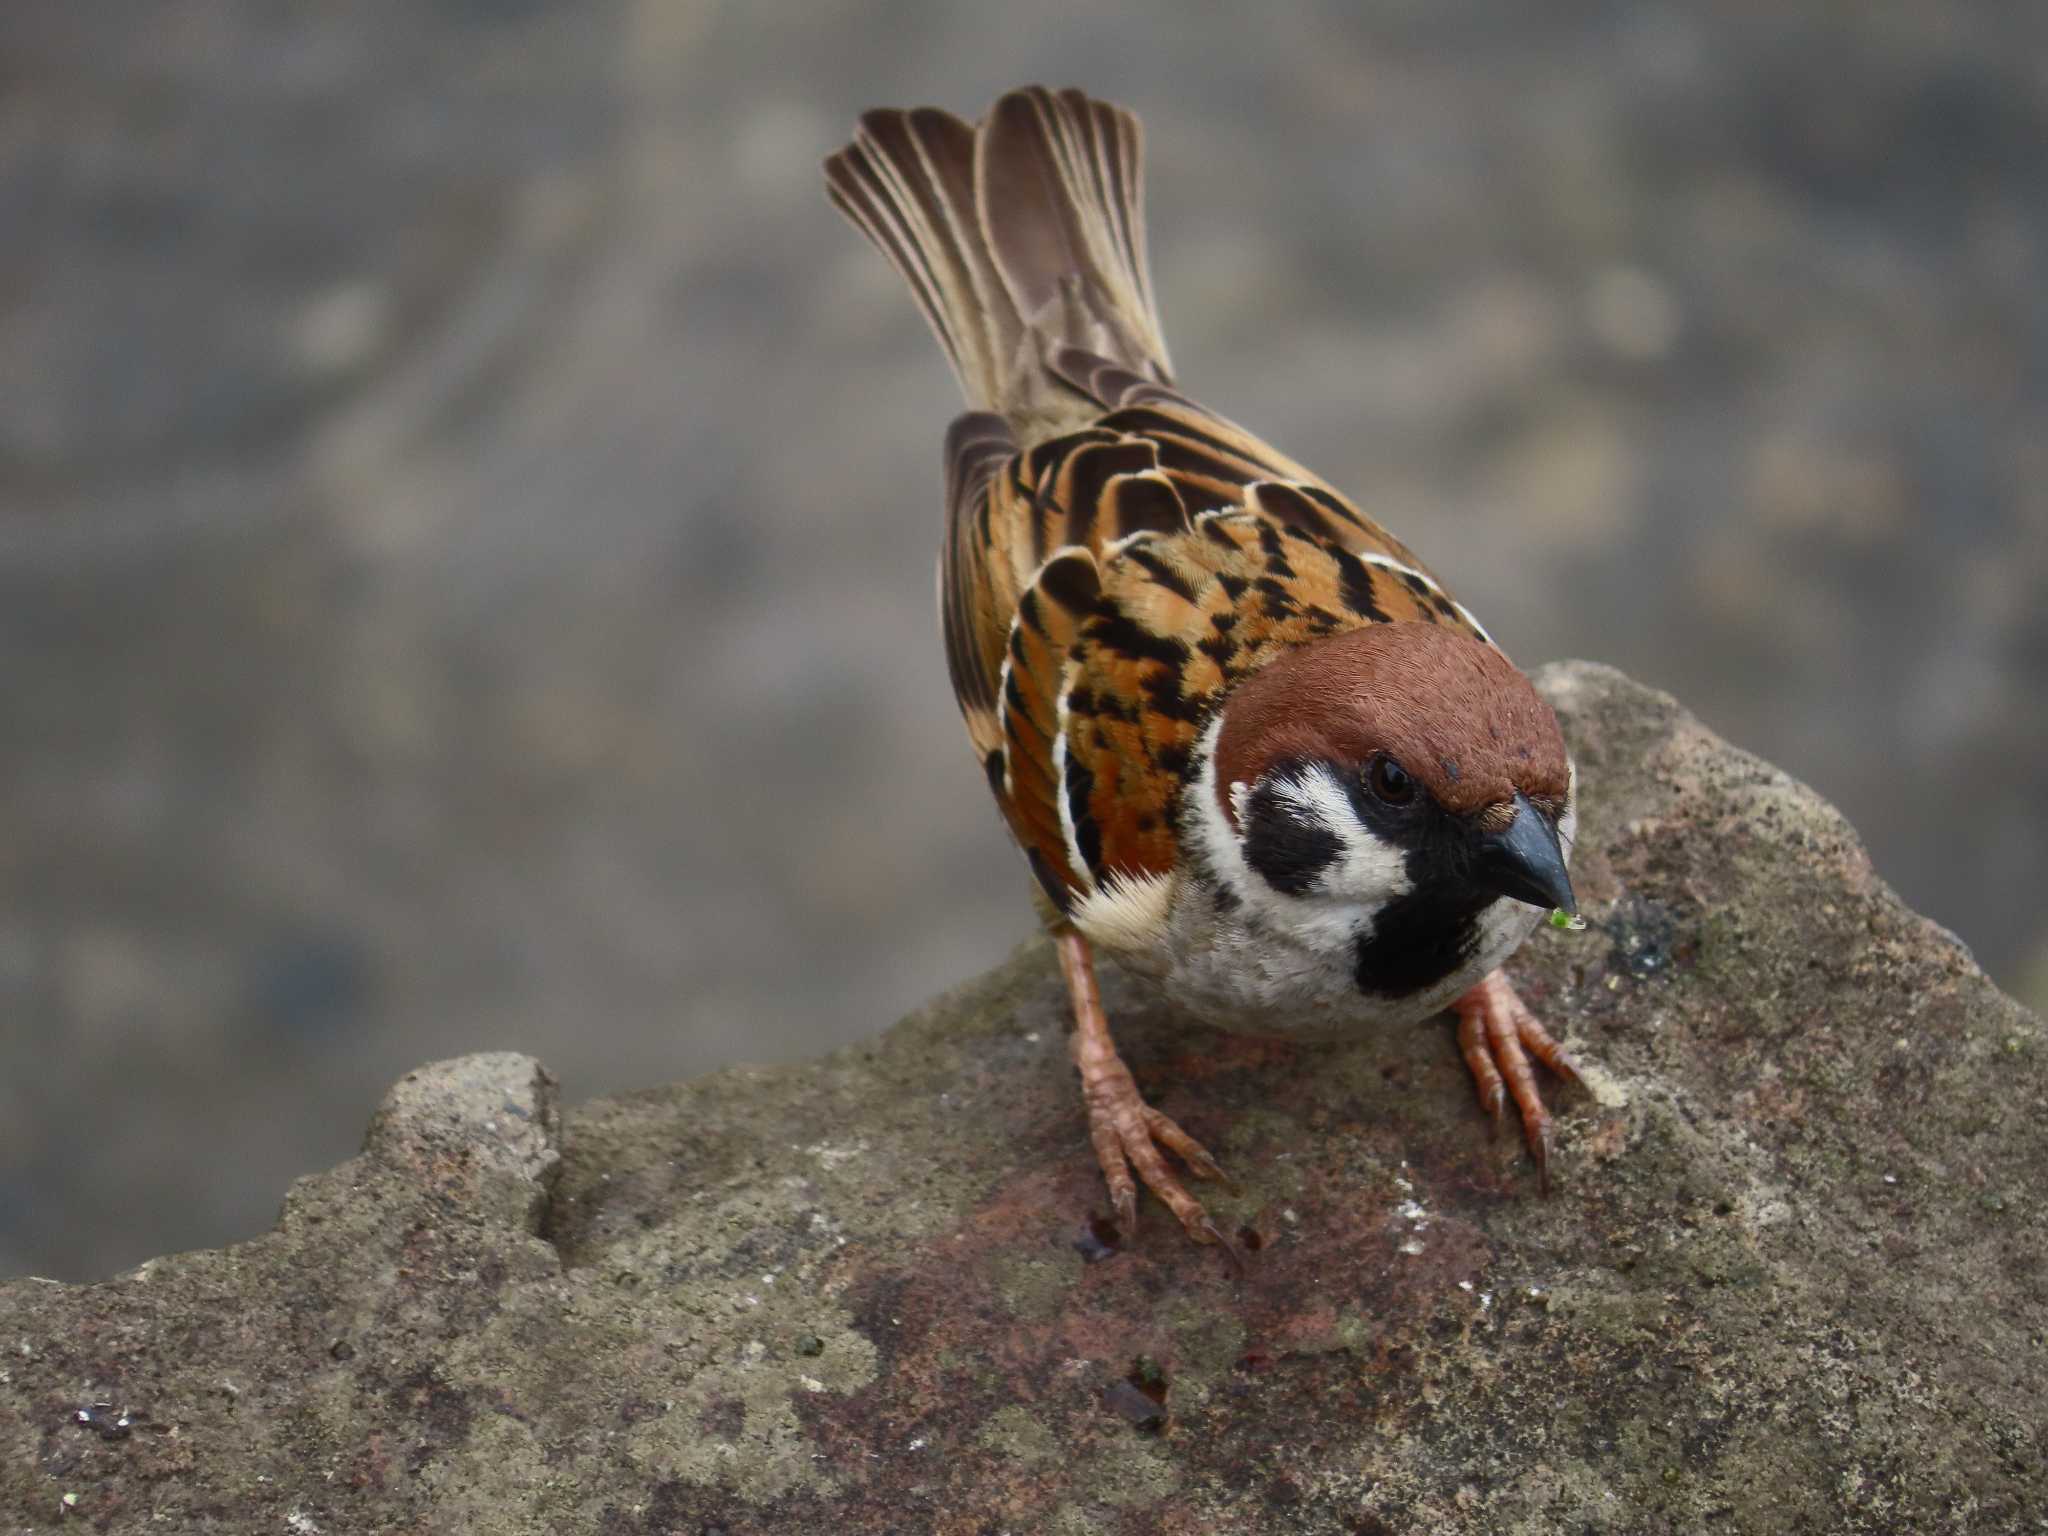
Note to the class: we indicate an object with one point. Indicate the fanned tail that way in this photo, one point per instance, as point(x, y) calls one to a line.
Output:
point(1022, 238)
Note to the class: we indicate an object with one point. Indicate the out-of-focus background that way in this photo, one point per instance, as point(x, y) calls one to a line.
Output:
point(467, 505)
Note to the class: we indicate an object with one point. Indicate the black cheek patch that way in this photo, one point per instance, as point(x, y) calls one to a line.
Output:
point(1289, 850)
point(1418, 940)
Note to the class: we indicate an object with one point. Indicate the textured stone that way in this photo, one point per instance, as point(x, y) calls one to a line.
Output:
point(1791, 1278)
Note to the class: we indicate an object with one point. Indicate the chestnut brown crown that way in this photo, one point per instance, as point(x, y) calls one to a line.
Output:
point(1450, 711)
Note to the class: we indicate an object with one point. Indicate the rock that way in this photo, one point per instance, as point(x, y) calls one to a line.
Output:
point(1792, 1275)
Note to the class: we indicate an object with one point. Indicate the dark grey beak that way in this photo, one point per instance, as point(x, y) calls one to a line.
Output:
point(1526, 862)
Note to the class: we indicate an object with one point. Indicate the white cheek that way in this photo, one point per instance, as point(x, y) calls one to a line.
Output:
point(1366, 874)
point(1369, 870)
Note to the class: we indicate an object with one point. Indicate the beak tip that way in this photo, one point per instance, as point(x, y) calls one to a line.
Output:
point(1563, 898)
point(1527, 862)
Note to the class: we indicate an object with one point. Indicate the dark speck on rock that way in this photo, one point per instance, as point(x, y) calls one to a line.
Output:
point(1149, 1377)
point(1098, 1239)
point(1135, 1407)
point(1647, 938)
point(107, 1421)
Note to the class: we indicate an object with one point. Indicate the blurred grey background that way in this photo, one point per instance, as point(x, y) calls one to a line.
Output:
point(467, 506)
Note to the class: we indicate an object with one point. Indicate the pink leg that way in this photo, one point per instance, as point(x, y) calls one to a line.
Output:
point(1127, 1132)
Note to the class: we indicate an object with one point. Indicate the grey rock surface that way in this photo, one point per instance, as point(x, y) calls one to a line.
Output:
point(1792, 1277)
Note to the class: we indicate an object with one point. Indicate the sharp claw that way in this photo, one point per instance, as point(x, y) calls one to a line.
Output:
point(1208, 1232)
point(1542, 1151)
point(1496, 1106)
point(1206, 1167)
point(1127, 1215)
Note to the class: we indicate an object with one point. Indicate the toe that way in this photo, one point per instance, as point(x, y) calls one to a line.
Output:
point(1124, 1202)
point(1497, 1035)
point(1520, 1079)
point(1158, 1177)
point(1542, 1045)
point(1183, 1146)
point(1477, 1050)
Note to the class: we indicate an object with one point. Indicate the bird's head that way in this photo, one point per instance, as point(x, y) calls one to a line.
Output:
point(1407, 769)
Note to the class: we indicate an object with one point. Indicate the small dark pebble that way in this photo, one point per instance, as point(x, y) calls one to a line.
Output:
point(103, 1420)
point(1148, 1377)
point(1099, 1240)
point(341, 1349)
point(810, 1344)
point(1129, 1403)
point(638, 1410)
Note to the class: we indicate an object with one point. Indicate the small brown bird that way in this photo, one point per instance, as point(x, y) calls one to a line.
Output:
point(1249, 745)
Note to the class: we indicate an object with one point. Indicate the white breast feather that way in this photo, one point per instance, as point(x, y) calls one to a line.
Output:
point(1127, 914)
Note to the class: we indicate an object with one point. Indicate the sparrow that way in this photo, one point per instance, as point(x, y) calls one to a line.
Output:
point(1248, 744)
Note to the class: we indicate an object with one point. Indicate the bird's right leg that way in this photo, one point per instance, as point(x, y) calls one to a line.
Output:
point(1127, 1132)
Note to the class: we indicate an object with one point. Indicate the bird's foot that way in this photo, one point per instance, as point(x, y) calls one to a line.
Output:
point(1497, 1034)
point(1128, 1134)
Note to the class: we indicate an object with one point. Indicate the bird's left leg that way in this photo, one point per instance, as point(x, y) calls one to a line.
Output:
point(1497, 1034)
point(1126, 1131)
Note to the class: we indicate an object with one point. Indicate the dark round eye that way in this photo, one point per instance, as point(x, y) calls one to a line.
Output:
point(1390, 781)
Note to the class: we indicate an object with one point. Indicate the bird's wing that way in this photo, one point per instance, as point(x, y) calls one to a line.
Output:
point(1106, 589)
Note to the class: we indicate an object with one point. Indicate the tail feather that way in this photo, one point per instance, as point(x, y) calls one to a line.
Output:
point(1020, 237)
point(907, 181)
point(1058, 178)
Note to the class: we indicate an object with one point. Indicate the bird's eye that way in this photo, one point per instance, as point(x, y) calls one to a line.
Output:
point(1390, 781)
